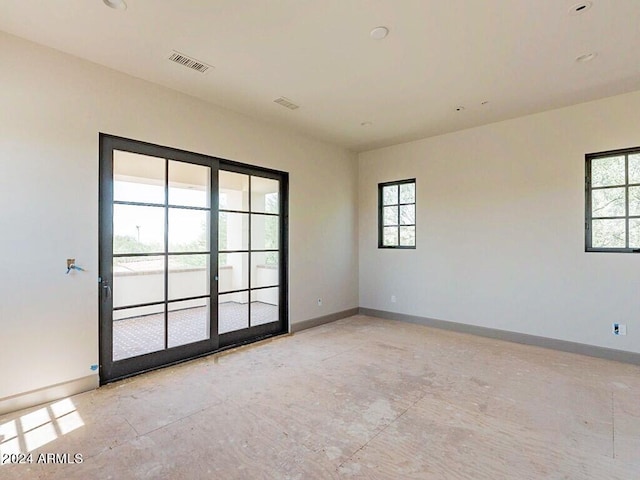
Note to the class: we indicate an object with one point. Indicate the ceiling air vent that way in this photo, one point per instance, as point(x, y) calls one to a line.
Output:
point(188, 62)
point(285, 102)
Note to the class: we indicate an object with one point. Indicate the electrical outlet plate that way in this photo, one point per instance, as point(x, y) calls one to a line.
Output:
point(619, 329)
point(70, 261)
point(319, 302)
point(393, 299)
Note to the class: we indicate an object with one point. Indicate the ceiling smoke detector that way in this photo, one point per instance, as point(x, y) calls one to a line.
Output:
point(580, 8)
point(285, 102)
point(189, 62)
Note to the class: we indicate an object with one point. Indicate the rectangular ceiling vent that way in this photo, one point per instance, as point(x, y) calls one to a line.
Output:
point(188, 62)
point(285, 102)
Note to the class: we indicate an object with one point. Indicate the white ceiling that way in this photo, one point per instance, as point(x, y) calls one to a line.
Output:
point(519, 55)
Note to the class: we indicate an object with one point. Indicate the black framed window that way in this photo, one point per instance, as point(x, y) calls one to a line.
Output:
point(397, 214)
point(612, 191)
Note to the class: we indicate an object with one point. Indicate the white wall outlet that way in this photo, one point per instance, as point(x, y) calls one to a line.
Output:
point(393, 299)
point(619, 329)
point(319, 302)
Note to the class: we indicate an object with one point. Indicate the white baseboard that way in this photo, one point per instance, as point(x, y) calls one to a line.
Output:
point(48, 394)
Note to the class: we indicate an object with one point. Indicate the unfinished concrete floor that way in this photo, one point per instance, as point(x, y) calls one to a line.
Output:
point(358, 398)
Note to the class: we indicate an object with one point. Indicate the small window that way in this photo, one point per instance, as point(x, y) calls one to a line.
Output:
point(613, 201)
point(397, 214)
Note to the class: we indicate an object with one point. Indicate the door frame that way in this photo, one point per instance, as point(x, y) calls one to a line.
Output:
point(111, 371)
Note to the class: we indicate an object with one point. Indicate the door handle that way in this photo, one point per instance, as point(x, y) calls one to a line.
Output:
point(106, 289)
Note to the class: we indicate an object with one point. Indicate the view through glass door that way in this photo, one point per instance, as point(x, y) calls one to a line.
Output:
point(191, 255)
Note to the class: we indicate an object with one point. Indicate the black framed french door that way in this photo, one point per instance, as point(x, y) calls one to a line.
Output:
point(193, 255)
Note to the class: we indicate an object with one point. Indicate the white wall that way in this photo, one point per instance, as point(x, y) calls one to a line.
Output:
point(52, 107)
point(500, 234)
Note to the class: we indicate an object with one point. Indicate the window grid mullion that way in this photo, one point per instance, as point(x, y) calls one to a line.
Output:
point(166, 253)
point(626, 198)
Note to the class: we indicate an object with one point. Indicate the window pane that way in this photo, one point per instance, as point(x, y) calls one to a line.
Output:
point(407, 215)
point(264, 232)
point(608, 202)
point(188, 230)
point(138, 229)
point(608, 233)
point(634, 168)
point(188, 322)
point(137, 178)
point(390, 195)
point(390, 215)
point(390, 236)
point(233, 312)
point(264, 269)
point(233, 231)
point(233, 271)
point(264, 306)
point(264, 195)
point(189, 184)
point(634, 233)
point(234, 191)
point(408, 193)
point(607, 171)
point(634, 200)
point(407, 236)
point(188, 276)
point(137, 331)
point(137, 280)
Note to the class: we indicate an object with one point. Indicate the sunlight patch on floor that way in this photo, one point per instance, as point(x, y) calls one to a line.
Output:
point(40, 427)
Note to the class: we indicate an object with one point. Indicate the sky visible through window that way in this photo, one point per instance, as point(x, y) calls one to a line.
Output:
point(146, 229)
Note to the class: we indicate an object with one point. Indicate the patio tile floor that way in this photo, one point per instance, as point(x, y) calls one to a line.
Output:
point(144, 334)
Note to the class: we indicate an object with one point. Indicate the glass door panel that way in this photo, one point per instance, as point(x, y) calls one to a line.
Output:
point(160, 207)
point(264, 306)
point(156, 266)
point(188, 230)
point(233, 312)
point(233, 191)
point(137, 331)
point(249, 242)
point(138, 178)
point(189, 185)
point(188, 276)
point(138, 280)
point(138, 229)
point(233, 272)
point(188, 321)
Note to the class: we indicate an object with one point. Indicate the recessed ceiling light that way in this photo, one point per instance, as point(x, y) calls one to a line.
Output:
point(366, 124)
point(587, 57)
point(459, 108)
point(579, 8)
point(379, 33)
point(116, 4)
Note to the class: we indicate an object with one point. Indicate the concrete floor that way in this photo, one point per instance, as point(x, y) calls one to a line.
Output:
point(359, 398)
